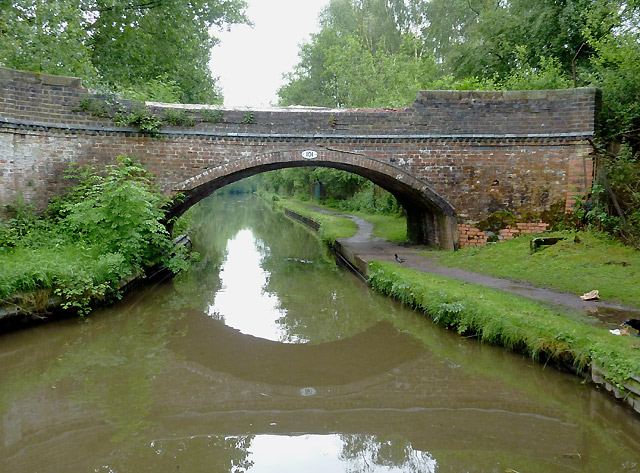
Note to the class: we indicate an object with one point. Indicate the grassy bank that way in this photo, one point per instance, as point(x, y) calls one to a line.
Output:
point(581, 262)
point(389, 227)
point(332, 227)
point(509, 320)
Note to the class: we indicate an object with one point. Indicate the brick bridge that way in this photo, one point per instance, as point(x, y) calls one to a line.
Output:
point(451, 158)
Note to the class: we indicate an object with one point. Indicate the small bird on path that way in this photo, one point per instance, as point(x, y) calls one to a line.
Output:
point(398, 259)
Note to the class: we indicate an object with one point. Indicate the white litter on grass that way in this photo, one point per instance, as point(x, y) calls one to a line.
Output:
point(590, 296)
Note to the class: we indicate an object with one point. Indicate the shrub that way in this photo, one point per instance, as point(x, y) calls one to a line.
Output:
point(106, 228)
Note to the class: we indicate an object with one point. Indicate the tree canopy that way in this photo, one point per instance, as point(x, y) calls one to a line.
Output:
point(149, 47)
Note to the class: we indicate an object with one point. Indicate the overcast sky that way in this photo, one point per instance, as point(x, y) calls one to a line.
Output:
point(250, 61)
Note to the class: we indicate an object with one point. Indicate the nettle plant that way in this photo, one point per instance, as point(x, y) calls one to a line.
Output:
point(212, 115)
point(178, 117)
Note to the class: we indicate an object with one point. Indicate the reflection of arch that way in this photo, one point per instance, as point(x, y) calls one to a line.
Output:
point(430, 218)
point(260, 360)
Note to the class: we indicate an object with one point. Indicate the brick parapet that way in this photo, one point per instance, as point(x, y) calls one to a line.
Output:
point(564, 114)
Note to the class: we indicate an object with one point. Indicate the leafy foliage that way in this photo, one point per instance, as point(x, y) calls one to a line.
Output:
point(104, 230)
point(152, 49)
point(365, 55)
point(248, 117)
point(178, 117)
point(159, 89)
point(212, 116)
point(140, 118)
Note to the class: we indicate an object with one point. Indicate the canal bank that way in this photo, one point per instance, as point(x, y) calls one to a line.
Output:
point(495, 310)
point(45, 305)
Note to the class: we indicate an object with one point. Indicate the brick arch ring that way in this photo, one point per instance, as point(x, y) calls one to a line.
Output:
point(431, 220)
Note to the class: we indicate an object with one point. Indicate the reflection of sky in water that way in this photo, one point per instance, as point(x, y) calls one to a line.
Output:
point(242, 302)
point(327, 453)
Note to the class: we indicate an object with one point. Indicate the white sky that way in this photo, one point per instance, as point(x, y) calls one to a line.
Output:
point(250, 61)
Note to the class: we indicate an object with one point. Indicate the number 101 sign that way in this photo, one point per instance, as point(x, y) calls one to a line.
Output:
point(309, 154)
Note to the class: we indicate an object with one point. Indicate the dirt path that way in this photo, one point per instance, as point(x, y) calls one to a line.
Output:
point(379, 249)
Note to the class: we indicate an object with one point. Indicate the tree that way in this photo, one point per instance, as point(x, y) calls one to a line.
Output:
point(119, 44)
point(489, 38)
point(46, 36)
point(365, 55)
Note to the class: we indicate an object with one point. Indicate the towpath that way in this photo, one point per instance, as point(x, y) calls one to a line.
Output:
point(369, 249)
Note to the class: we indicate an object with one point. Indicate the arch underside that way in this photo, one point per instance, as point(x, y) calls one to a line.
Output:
point(430, 218)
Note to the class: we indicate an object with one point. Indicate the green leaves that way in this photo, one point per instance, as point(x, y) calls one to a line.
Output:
point(157, 49)
point(140, 118)
point(107, 228)
point(340, 70)
point(47, 36)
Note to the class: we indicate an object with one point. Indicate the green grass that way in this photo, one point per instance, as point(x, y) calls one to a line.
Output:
point(577, 266)
point(331, 227)
point(509, 320)
point(389, 227)
point(76, 272)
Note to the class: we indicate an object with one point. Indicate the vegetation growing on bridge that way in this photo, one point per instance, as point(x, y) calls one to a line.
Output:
point(107, 228)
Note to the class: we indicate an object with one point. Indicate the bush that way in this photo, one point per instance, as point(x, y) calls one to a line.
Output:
point(105, 229)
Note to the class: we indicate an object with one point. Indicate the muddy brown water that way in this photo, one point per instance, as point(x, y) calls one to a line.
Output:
point(265, 357)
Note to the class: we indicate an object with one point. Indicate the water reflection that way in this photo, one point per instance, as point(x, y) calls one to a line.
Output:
point(242, 301)
point(335, 453)
point(156, 384)
point(276, 281)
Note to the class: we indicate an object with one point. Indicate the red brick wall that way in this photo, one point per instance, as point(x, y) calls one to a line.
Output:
point(471, 236)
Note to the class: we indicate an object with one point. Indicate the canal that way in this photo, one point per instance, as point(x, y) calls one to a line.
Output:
point(265, 357)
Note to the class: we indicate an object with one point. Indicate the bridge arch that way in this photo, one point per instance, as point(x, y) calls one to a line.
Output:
point(451, 158)
point(430, 217)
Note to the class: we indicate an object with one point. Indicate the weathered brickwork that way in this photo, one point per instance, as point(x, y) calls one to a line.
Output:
point(471, 236)
point(451, 158)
